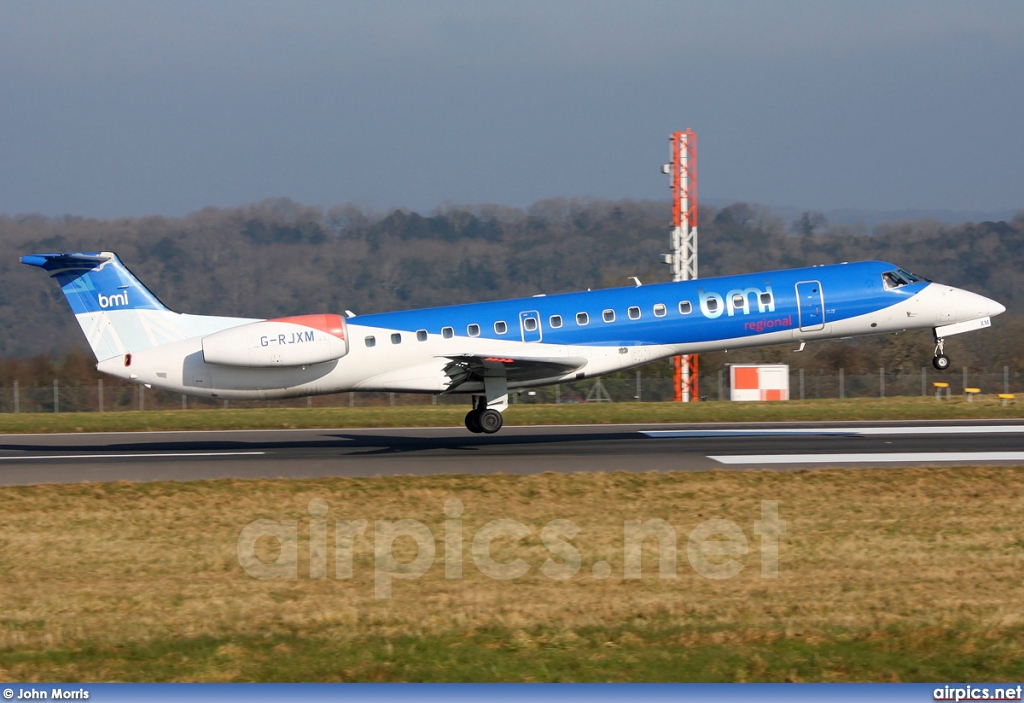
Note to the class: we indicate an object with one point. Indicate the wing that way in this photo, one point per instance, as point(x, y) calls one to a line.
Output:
point(464, 368)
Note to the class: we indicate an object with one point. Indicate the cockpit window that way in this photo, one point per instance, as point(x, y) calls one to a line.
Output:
point(911, 277)
point(894, 279)
point(900, 278)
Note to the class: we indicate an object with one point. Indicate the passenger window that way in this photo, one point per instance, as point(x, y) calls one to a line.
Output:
point(685, 308)
point(608, 315)
point(660, 310)
point(529, 324)
point(473, 330)
point(634, 313)
point(555, 321)
point(582, 318)
point(500, 327)
point(739, 302)
point(447, 332)
point(712, 304)
point(396, 338)
point(421, 335)
point(371, 342)
point(766, 299)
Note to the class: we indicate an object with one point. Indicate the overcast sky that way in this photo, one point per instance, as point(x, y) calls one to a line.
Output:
point(131, 108)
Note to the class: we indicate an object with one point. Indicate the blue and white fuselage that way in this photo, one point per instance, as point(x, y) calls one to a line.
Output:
point(486, 349)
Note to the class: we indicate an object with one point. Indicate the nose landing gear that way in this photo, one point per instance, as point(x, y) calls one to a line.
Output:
point(941, 361)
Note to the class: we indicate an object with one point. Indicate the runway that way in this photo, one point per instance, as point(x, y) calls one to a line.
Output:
point(184, 456)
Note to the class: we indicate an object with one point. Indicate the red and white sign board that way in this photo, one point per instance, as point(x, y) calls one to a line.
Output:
point(758, 382)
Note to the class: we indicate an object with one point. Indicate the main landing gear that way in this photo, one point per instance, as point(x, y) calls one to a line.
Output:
point(941, 361)
point(485, 417)
point(487, 421)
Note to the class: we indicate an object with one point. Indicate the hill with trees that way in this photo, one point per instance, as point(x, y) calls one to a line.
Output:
point(279, 257)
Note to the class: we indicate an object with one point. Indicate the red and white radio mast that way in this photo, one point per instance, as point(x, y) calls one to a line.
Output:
point(683, 172)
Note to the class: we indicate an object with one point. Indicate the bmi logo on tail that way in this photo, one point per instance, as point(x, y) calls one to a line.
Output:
point(113, 301)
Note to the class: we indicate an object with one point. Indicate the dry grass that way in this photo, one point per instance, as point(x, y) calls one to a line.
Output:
point(127, 581)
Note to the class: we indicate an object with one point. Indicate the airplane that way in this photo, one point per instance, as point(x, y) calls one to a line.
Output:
point(487, 349)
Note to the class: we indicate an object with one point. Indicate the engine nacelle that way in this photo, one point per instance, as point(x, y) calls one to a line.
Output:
point(285, 341)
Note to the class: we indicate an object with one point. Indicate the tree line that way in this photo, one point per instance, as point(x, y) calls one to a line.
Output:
point(279, 257)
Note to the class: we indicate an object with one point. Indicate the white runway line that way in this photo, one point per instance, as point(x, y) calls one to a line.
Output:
point(864, 431)
point(866, 458)
point(157, 455)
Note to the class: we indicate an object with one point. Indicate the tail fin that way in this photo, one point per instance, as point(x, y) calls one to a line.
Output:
point(96, 282)
point(116, 312)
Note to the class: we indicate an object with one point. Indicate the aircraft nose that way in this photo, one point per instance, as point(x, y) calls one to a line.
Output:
point(977, 306)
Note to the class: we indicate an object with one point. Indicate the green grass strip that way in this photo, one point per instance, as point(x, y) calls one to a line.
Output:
point(635, 654)
point(451, 416)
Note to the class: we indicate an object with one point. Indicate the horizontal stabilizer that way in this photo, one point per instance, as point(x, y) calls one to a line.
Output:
point(64, 262)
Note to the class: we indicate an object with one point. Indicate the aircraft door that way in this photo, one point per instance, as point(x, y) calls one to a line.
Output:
point(810, 306)
point(529, 325)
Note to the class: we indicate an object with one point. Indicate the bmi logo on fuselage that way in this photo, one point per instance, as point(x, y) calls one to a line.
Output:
point(113, 301)
point(712, 304)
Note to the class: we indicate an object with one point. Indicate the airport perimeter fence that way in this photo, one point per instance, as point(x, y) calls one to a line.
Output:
point(111, 395)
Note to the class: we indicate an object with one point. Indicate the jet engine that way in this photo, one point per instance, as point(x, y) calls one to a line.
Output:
point(284, 341)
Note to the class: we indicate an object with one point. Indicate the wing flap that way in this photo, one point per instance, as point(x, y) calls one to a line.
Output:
point(463, 368)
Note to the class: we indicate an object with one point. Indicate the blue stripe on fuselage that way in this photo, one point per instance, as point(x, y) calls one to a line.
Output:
point(849, 290)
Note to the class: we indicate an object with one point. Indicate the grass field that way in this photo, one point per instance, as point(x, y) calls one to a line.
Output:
point(884, 575)
point(898, 408)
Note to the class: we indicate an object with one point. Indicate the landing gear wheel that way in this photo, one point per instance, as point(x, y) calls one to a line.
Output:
point(490, 421)
point(473, 422)
point(941, 361)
